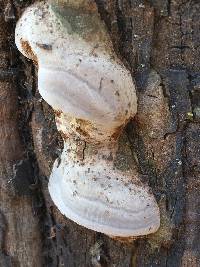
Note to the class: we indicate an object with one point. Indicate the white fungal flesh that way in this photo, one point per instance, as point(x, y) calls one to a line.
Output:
point(87, 84)
point(102, 199)
point(95, 96)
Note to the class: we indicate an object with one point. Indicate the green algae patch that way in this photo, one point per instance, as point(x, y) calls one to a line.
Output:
point(78, 20)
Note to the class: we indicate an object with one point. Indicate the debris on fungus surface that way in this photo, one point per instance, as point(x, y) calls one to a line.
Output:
point(94, 97)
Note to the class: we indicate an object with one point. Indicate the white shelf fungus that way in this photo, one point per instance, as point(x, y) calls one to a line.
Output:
point(93, 96)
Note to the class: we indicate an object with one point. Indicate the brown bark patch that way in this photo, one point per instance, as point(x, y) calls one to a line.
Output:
point(28, 51)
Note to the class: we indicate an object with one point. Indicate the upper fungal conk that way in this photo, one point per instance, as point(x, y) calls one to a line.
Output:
point(94, 97)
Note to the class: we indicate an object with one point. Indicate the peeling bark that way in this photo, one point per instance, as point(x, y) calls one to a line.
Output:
point(20, 237)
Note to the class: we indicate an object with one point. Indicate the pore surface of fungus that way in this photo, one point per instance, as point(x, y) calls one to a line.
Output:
point(94, 97)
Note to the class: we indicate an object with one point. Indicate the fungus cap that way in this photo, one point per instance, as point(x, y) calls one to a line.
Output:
point(94, 96)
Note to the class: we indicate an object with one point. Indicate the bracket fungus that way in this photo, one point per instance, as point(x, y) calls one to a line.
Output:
point(94, 97)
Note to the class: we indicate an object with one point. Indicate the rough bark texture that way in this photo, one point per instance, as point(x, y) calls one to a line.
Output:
point(159, 41)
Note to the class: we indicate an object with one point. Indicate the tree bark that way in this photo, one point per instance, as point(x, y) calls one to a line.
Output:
point(158, 40)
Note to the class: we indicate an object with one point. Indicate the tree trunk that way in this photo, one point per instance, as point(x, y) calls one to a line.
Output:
point(158, 40)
